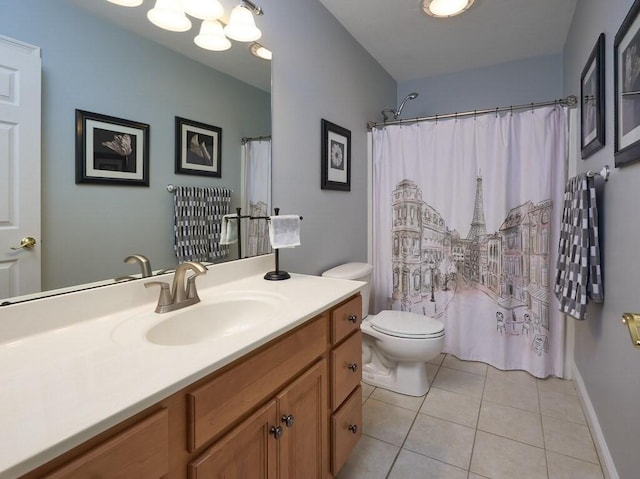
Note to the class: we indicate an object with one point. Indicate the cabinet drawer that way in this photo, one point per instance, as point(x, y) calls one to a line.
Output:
point(346, 429)
point(221, 401)
point(141, 451)
point(345, 319)
point(346, 365)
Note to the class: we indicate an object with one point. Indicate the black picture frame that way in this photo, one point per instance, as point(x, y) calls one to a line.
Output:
point(198, 148)
point(111, 150)
point(626, 49)
point(592, 101)
point(335, 157)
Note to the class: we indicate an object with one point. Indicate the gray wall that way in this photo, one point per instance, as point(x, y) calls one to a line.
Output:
point(320, 71)
point(517, 82)
point(88, 64)
point(604, 355)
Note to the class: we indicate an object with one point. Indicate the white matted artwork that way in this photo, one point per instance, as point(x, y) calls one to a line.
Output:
point(198, 148)
point(336, 157)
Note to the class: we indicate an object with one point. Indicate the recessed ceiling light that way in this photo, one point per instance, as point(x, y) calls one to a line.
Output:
point(445, 8)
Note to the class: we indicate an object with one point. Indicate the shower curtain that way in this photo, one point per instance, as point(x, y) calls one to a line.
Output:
point(465, 229)
point(257, 199)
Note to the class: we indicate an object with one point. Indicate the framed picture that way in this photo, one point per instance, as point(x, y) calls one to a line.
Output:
point(111, 150)
point(336, 157)
point(198, 148)
point(627, 88)
point(592, 100)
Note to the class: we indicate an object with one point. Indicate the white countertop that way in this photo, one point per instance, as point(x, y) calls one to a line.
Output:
point(67, 383)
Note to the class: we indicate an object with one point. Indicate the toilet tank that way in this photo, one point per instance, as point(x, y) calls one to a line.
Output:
point(355, 272)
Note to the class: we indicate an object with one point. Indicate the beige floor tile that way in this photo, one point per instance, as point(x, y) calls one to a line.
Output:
point(386, 422)
point(410, 465)
point(522, 378)
point(367, 389)
point(370, 458)
point(569, 438)
point(442, 440)
point(437, 360)
point(558, 385)
point(412, 403)
point(501, 458)
point(512, 423)
point(432, 371)
point(473, 475)
point(515, 393)
point(564, 467)
point(452, 407)
point(459, 382)
point(468, 366)
point(562, 406)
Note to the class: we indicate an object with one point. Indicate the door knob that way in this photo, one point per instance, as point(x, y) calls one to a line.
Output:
point(353, 318)
point(353, 367)
point(26, 243)
point(276, 431)
point(353, 428)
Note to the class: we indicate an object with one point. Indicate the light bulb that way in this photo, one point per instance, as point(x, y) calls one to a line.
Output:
point(446, 8)
point(261, 52)
point(241, 25)
point(204, 9)
point(169, 14)
point(211, 36)
point(127, 3)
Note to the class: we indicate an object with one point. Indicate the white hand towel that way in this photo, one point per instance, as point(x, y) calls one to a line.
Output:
point(284, 231)
point(229, 234)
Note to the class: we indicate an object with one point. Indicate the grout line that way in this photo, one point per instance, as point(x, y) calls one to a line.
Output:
point(544, 442)
point(393, 463)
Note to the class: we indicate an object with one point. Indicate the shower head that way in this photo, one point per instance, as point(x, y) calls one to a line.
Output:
point(396, 113)
point(410, 96)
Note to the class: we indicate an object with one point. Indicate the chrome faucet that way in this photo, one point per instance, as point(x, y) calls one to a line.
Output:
point(143, 261)
point(181, 294)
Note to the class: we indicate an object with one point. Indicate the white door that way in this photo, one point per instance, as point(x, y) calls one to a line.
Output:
point(20, 91)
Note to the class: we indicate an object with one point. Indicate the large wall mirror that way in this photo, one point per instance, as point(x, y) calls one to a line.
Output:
point(108, 59)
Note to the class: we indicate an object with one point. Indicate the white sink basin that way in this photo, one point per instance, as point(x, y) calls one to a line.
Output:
point(226, 315)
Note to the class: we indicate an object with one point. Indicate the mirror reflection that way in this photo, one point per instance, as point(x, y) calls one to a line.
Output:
point(106, 59)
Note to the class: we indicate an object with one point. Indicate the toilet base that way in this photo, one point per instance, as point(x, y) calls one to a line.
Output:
point(406, 378)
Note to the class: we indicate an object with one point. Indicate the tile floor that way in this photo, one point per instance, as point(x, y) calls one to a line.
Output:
point(475, 422)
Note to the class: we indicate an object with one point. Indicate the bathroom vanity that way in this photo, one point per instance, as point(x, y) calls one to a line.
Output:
point(278, 399)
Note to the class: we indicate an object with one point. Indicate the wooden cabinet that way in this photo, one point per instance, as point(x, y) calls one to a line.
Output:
point(346, 374)
point(140, 451)
point(291, 409)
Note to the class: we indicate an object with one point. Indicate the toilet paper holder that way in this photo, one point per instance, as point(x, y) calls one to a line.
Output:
point(632, 321)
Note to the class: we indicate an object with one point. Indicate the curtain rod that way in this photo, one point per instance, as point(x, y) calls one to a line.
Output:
point(571, 100)
point(246, 139)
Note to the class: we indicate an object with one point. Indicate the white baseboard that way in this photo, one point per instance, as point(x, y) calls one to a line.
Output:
point(608, 467)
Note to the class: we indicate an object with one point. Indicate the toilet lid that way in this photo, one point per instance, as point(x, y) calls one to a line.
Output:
point(407, 325)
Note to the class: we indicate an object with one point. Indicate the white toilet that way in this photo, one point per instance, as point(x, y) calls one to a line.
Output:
point(396, 344)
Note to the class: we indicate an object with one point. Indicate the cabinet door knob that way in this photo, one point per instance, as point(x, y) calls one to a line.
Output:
point(276, 431)
point(353, 428)
point(353, 367)
point(287, 420)
point(353, 318)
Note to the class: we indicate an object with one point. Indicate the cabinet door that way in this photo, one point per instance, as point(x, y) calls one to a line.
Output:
point(302, 411)
point(247, 451)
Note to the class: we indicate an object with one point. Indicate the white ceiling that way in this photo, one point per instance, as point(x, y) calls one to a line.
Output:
point(411, 45)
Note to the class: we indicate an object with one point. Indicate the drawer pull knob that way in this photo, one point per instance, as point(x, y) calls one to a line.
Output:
point(353, 367)
point(353, 428)
point(287, 420)
point(276, 431)
point(353, 318)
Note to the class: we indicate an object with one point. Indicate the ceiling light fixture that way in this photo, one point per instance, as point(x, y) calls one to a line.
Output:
point(169, 14)
point(242, 26)
point(204, 9)
point(260, 51)
point(211, 36)
point(446, 8)
point(127, 3)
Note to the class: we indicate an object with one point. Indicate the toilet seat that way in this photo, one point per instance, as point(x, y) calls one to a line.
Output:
point(403, 324)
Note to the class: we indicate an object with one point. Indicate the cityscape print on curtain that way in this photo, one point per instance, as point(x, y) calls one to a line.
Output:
point(463, 231)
